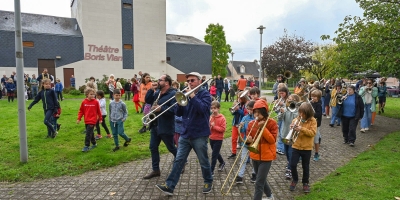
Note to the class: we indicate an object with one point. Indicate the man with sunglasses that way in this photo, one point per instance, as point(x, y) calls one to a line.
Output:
point(163, 128)
point(368, 94)
point(195, 133)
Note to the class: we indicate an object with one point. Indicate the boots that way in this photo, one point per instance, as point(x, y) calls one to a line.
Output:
point(152, 174)
point(143, 129)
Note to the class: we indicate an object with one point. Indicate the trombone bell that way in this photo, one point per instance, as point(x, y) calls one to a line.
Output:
point(181, 99)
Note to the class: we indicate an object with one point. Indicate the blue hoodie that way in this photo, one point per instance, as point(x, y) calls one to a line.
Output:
point(48, 98)
point(196, 115)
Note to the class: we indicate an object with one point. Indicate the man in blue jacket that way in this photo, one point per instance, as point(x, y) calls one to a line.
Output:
point(163, 128)
point(195, 133)
point(219, 83)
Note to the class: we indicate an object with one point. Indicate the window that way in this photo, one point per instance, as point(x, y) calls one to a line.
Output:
point(242, 69)
point(127, 5)
point(28, 44)
point(168, 58)
point(127, 46)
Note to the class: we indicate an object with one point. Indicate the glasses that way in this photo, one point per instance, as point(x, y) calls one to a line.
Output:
point(191, 80)
point(159, 80)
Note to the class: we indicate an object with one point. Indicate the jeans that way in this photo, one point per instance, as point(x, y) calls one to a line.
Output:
point(48, 120)
point(117, 128)
point(215, 155)
point(185, 146)
point(59, 96)
point(219, 94)
point(349, 126)
point(127, 95)
point(34, 89)
point(280, 144)
point(155, 140)
point(305, 163)
point(261, 186)
point(335, 110)
point(323, 105)
point(366, 120)
point(89, 135)
point(243, 159)
point(288, 150)
point(111, 95)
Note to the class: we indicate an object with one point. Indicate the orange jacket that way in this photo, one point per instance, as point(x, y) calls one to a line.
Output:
point(218, 130)
point(267, 145)
point(241, 84)
point(143, 91)
point(305, 140)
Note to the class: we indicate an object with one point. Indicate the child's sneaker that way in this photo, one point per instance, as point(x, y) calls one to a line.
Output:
point(93, 146)
point(306, 188)
point(109, 136)
point(127, 142)
point(292, 186)
point(98, 136)
point(288, 174)
point(116, 149)
point(54, 134)
point(253, 178)
point(85, 149)
point(316, 157)
point(58, 127)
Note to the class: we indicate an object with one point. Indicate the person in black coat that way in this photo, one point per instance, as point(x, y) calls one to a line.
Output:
point(127, 88)
point(351, 112)
point(219, 83)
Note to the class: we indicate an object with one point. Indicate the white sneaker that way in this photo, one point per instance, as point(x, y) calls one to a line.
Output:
point(362, 130)
point(328, 117)
point(269, 198)
point(366, 129)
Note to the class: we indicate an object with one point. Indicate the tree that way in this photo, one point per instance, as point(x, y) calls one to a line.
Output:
point(289, 53)
point(215, 36)
point(323, 61)
point(371, 42)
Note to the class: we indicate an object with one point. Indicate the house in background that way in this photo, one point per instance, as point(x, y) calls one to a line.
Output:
point(247, 69)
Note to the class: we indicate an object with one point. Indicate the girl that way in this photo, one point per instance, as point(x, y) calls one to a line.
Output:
point(213, 90)
point(283, 94)
point(10, 87)
point(262, 161)
point(111, 86)
point(238, 113)
point(103, 109)
point(118, 85)
point(59, 88)
point(50, 106)
point(144, 87)
point(217, 127)
point(306, 125)
point(135, 93)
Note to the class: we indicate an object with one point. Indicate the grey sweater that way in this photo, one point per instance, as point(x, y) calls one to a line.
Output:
point(287, 118)
point(118, 111)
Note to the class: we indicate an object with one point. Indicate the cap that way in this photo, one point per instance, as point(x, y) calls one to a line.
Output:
point(261, 103)
point(194, 74)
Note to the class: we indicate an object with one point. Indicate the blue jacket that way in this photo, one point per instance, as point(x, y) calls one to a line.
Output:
point(219, 83)
point(246, 119)
point(10, 87)
point(59, 87)
point(238, 115)
point(178, 124)
point(49, 100)
point(165, 124)
point(196, 115)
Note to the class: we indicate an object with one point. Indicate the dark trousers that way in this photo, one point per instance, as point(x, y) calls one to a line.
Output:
point(215, 155)
point(305, 163)
point(127, 95)
point(48, 120)
point(349, 126)
point(89, 135)
point(261, 186)
point(288, 152)
point(226, 96)
point(103, 124)
point(111, 95)
point(59, 96)
point(155, 140)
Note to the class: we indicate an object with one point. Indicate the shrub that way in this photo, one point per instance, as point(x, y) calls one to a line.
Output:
point(75, 92)
point(82, 89)
point(67, 90)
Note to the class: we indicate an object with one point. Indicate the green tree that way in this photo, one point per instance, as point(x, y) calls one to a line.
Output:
point(215, 36)
point(324, 60)
point(371, 42)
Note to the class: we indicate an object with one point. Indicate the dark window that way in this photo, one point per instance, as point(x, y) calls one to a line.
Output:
point(127, 5)
point(168, 58)
point(127, 46)
point(28, 44)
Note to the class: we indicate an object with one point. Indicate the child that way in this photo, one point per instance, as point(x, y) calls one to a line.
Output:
point(90, 109)
point(303, 145)
point(245, 156)
point(213, 90)
point(254, 93)
point(217, 127)
point(59, 88)
point(50, 106)
point(266, 147)
point(10, 87)
point(118, 114)
point(283, 94)
point(231, 93)
point(316, 104)
point(287, 117)
point(127, 88)
point(103, 109)
point(135, 93)
point(238, 113)
point(111, 85)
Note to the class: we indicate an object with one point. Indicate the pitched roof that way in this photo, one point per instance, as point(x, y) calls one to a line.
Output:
point(249, 67)
point(184, 39)
point(41, 24)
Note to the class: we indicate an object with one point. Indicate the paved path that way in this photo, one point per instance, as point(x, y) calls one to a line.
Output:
point(125, 181)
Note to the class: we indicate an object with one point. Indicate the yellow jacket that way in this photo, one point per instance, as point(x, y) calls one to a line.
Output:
point(333, 96)
point(305, 140)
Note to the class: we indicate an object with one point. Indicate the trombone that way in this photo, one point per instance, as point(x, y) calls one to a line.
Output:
point(182, 98)
point(292, 135)
point(244, 94)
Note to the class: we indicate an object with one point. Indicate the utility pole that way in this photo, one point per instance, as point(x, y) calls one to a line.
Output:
point(261, 28)
point(232, 53)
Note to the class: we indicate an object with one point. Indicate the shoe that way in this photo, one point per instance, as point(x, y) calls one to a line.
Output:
point(319, 141)
point(207, 188)
point(54, 134)
point(109, 136)
point(292, 186)
point(328, 117)
point(58, 127)
point(306, 188)
point(253, 178)
point(221, 167)
point(238, 146)
point(239, 180)
point(152, 175)
point(345, 142)
point(143, 129)
point(323, 114)
point(126, 143)
point(351, 144)
point(93, 146)
point(212, 174)
point(362, 130)
point(316, 157)
point(331, 125)
point(288, 174)
point(232, 156)
point(164, 188)
point(116, 149)
point(338, 124)
point(270, 198)
point(98, 136)
point(280, 152)
point(366, 129)
point(85, 149)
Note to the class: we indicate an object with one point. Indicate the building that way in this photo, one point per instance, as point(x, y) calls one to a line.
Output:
point(103, 37)
point(245, 68)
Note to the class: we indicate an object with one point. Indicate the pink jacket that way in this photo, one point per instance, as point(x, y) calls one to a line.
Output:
point(218, 130)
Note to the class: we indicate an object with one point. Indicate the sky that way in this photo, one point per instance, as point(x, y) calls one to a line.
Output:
point(240, 19)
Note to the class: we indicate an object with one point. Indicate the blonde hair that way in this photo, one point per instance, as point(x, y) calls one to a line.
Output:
point(88, 90)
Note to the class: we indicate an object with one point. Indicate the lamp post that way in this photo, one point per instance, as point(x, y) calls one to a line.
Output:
point(261, 28)
point(232, 53)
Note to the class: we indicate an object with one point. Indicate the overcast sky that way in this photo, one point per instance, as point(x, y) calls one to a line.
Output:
point(307, 18)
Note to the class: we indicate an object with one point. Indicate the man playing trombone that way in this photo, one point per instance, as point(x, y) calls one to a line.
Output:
point(194, 107)
point(161, 129)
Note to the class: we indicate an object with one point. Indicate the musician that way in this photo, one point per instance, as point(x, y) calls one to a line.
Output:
point(240, 112)
point(352, 111)
point(162, 129)
point(266, 147)
point(368, 94)
point(279, 79)
point(382, 95)
point(281, 103)
point(337, 92)
point(301, 89)
point(328, 87)
point(42, 76)
point(303, 145)
point(196, 130)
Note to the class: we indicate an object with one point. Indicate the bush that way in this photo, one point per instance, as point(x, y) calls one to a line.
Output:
point(75, 92)
point(67, 90)
point(82, 89)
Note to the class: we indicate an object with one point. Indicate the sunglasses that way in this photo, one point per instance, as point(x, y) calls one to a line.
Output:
point(191, 80)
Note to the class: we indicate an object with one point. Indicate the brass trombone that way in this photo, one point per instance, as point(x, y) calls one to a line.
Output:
point(292, 135)
point(244, 94)
point(182, 98)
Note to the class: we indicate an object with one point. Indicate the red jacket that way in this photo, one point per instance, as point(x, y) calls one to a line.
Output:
point(91, 110)
point(213, 90)
point(218, 130)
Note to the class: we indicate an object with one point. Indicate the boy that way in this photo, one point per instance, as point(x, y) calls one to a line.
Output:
point(118, 114)
point(316, 104)
point(90, 109)
point(217, 128)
